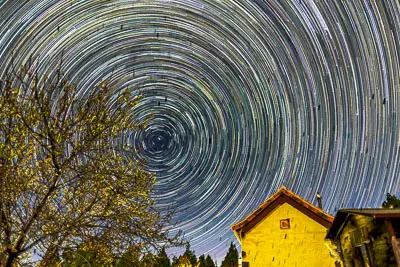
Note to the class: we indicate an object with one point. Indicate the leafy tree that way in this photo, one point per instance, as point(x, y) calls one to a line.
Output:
point(182, 261)
point(209, 262)
point(202, 261)
point(65, 178)
point(91, 253)
point(391, 202)
point(205, 261)
point(175, 261)
point(131, 257)
point(231, 258)
point(147, 261)
point(190, 255)
point(162, 259)
point(99, 255)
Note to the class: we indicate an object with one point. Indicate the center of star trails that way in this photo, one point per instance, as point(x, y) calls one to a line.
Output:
point(158, 142)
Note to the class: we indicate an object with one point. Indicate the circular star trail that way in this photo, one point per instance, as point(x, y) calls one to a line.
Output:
point(246, 95)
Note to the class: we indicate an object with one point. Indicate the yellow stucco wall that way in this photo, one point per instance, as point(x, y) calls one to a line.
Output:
point(301, 245)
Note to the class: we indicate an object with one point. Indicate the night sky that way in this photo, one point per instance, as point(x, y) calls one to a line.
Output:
point(248, 95)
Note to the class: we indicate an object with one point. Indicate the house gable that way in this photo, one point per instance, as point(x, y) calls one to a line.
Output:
point(268, 244)
point(298, 222)
point(281, 201)
point(282, 196)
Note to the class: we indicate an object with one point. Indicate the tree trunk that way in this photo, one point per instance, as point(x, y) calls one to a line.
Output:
point(11, 259)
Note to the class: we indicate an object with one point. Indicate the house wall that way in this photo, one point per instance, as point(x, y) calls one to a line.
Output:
point(372, 234)
point(301, 245)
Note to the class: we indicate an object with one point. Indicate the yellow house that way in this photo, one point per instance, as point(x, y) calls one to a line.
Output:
point(285, 230)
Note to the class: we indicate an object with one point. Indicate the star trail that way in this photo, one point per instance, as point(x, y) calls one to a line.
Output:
point(244, 95)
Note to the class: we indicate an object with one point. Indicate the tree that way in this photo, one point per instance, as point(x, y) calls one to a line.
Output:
point(231, 258)
point(391, 202)
point(187, 259)
point(175, 261)
point(202, 261)
point(190, 255)
point(162, 259)
point(147, 260)
point(91, 254)
point(209, 262)
point(65, 177)
point(100, 255)
point(97, 254)
point(205, 261)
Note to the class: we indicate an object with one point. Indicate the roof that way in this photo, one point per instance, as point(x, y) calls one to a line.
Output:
point(375, 213)
point(283, 195)
point(343, 215)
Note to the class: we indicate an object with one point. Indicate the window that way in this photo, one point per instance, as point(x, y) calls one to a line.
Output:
point(285, 223)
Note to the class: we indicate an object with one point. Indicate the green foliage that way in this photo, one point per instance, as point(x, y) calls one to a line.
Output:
point(131, 257)
point(187, 259)
point(202, 261)
point(231, 258)
point(90, 253)
point(96, 254)
point(65, 178)
point(175, 261)
point(190, 255)
point(147, 261)
point(391, 202)
point(206, 261)
point(162, 259)
point(209, 262)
